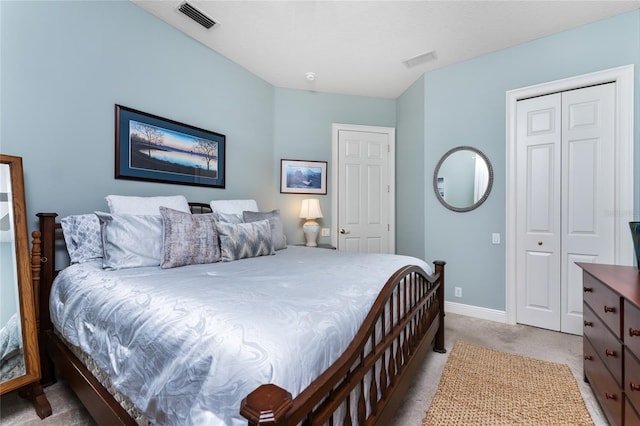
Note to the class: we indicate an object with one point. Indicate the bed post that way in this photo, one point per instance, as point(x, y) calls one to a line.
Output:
point(36, 260)
point(267, 405)
point(439, 344)
point(45, 257)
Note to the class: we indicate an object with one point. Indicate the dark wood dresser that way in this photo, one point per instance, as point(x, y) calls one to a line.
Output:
point(611, 340)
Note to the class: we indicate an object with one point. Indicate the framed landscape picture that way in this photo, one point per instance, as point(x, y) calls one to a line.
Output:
point(303, 177)
point(157, 149)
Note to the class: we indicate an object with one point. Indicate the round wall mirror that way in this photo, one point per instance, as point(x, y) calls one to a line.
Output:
point(463, 179)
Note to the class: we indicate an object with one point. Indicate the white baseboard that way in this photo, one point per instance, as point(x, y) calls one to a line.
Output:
point(475, 312)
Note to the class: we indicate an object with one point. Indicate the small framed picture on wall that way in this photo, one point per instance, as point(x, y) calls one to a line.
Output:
point(303, 177)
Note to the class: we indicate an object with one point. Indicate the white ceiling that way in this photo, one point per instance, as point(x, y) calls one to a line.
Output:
point(358, 47)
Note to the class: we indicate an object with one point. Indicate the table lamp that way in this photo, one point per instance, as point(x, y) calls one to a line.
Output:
point(310, 210)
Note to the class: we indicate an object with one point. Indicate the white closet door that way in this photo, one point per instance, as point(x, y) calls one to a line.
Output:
point(565, 201)
point(588, 187)
point(539, 206)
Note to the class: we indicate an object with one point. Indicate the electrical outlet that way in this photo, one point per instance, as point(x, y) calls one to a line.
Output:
point(325, 232)
point(458, 292)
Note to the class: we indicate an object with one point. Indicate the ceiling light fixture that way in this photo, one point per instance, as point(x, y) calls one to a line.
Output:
point(420, 59)
point(310, 76)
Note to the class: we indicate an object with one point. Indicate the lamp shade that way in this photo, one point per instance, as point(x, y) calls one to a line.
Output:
point(310, 209)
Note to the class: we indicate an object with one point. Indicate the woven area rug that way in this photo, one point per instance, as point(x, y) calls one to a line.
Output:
point(481, 386)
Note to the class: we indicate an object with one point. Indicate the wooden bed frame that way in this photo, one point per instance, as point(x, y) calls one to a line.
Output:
point(398, 349)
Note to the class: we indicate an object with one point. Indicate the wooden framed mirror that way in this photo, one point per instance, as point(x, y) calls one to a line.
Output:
point(19, 356)
point(463, 178)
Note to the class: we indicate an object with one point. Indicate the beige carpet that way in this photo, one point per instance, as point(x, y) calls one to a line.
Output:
point(481, 386)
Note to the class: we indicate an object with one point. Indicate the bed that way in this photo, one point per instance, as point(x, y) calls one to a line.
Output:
point(322, 370)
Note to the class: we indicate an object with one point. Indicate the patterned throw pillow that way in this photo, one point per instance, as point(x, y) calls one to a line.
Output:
point(244, 240)
point(189, 239)
point(83, 238)
point(130, 241)
point(277, 229)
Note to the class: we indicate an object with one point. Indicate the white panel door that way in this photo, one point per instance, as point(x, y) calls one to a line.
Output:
point(565, 201)
point(364, 191)
point(539, 206)
point(588, 187)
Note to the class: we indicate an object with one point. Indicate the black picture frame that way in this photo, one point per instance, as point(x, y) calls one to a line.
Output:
point(303, 177)
point(157, 149)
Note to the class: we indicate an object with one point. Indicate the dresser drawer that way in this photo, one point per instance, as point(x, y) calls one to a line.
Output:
point(604, 386)
point(605, 344)
point(604, 302)
point(632, 378)
point(630, 415)
point(631, 328)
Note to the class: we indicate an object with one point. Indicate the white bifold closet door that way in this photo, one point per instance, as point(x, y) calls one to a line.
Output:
point(565, 201)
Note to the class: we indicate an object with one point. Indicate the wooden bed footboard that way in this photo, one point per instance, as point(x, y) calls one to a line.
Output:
point(364, 386)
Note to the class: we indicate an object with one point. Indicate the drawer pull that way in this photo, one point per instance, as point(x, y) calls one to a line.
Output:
point(610, 396)
point(608, 352)
point(634, 332)
point(588, 357)
point(588, 289)
point(611, 309)
point(588, 324)
point(634, 387)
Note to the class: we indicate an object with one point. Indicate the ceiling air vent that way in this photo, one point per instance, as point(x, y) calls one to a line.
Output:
point(196, 15)
point(420, 59)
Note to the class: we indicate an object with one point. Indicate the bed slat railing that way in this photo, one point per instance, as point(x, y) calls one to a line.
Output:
point(404, 320)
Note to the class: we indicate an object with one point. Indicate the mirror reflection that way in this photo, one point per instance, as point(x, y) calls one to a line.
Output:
point(11, 347)
point(463, 179)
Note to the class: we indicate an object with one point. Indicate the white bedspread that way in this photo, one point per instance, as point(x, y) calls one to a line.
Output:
point(185, 345)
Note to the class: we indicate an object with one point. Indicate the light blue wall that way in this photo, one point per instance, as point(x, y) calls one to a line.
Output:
point(65, 65)
point(412, 181)
point(302, 131)
point(465, 105)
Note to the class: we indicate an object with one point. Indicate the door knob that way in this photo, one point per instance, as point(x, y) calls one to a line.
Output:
point(343, 231)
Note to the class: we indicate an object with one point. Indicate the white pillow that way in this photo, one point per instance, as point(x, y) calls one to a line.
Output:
point(123, 204)
point(234, 206)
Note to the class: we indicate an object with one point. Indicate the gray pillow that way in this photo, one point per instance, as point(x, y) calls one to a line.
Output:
point(242, 240)
point(82, 236)
point(232, 218)
point(130, 241)
point(277, 229)
point(188, 239)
